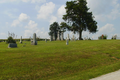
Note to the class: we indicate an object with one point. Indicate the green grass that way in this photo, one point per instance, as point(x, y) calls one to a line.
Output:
point(80, 60)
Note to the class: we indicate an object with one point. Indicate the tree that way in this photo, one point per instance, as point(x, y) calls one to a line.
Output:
point(78, 18)
point(54, 28)
point(63, 26)
point(11, 38)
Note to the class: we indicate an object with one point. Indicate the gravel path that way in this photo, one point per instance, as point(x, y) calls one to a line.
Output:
point(110, 76)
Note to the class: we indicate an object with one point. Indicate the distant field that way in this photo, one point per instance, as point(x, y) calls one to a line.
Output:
point(80, 60)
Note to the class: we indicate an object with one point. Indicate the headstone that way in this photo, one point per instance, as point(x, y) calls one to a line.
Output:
point(12, 45)
point(61, 35)
point(21, 39)
point(68, 37)
point(50, 38)
point(53, 36)
point(67, 42)
point(46, 40)
point(73, 38)
point(30, 39)
point(34, 42)
point(58, 37)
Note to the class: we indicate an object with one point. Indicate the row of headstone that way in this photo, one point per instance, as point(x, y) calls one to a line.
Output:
point(34, 41)
point(72, 39)
point(59, 37)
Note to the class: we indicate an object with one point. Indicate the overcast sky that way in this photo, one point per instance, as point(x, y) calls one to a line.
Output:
point(25, 17)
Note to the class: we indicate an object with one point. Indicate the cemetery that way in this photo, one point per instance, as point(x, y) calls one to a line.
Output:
point(60, 59)
point(60, 56)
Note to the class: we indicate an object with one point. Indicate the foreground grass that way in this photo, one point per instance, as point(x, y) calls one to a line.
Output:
point(80, 60)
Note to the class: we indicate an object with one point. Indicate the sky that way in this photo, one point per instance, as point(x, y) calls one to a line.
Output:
point(25, 17)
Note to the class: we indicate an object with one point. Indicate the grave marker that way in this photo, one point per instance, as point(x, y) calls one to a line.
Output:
point(21, 39)
point(34, 42)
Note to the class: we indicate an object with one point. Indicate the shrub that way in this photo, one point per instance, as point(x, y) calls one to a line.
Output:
point(103, 36)
point(10, 40)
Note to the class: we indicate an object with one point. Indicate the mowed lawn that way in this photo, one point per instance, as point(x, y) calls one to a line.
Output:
point(80, 60)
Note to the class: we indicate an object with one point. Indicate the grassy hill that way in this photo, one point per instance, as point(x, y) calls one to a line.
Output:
point(80, 60)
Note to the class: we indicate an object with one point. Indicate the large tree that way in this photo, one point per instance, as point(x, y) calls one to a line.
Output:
point(78, 18)
point(54, 28)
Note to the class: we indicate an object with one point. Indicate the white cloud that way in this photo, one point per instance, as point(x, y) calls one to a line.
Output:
point(115, 13)
point(31, 25)
point(25, 0)
point(99, 7)
point(6, 23)
point(4, 1)
point(3, 35)
point(32, 1)
point(23, 17)
point(9, 12)
point(46, 10)
point(108, 28)
point(28, 33)
point(53, 19)
point(104, 10)
point(15, 23)
point(31, 28)
point(38, 1)
point(61, 11)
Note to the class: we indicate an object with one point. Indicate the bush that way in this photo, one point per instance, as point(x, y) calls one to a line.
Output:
point(103, 36)
point(10, 40)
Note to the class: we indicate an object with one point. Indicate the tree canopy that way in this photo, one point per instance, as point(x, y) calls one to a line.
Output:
point(54, 28)
point(78, 18)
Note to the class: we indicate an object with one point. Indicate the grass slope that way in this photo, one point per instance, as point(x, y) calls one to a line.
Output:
point(80, 60)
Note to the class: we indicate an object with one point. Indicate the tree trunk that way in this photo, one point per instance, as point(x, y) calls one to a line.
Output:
point(80, 35)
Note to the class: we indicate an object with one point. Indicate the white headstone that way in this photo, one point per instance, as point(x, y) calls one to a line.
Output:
point(45, 40)
point(58, 36)
point(53, 36)
point(68, 37)
point(61, 35)
point(50, 38)
point(21, 39)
